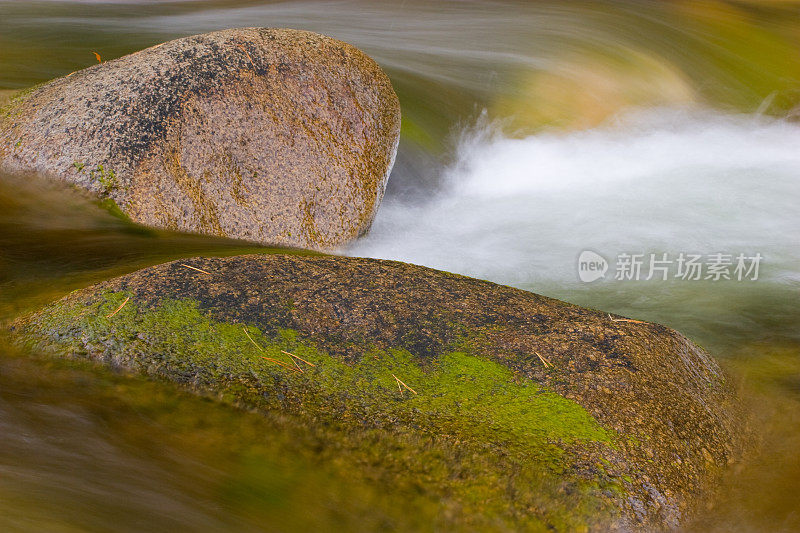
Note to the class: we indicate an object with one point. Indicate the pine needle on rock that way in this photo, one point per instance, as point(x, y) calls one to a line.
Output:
point(284, 365)
point(298, 357)
point(400, 382)
point(118, 309)
point(195, 268)
point(544, 361)
point(626, 320)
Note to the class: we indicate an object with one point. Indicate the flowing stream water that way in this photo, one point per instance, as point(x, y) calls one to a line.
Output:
point(532, 132)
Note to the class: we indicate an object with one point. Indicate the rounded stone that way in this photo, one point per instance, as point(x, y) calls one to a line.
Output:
point(271, 135)
point(628, 417)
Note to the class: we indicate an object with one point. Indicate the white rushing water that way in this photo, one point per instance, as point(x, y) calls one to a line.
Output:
point(520, 211)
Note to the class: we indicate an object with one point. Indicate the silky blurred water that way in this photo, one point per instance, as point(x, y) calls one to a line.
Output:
point(531, 132)
point(520, 211)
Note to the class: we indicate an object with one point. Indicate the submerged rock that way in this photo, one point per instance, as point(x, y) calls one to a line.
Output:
point(276, 136)
point(566, 417)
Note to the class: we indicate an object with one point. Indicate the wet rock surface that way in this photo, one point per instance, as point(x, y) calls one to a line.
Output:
point(275, 136)
point(629, 419)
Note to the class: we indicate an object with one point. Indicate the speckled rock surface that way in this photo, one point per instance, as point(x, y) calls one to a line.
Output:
point(662, 419)
point(276, 136)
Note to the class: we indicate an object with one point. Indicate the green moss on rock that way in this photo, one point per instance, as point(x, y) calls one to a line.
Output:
point(470, 393)
point(465, 398)
point(629, 419)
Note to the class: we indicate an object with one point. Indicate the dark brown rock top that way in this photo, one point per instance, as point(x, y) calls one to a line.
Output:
point(270, 135)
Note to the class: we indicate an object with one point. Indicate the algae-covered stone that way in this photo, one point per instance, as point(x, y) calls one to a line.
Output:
point(601, 422)
point(276, 136)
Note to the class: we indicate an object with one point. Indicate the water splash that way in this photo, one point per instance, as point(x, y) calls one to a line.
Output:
point(520, 211)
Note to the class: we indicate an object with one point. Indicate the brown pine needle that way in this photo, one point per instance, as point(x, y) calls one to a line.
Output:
point(117, 310)
point(403, 384)
point(544, 361)
point(296, 367)
point(243, 49)
point(195, 268)
point(297, 357)
point(284, 365)
point(251, 339)
point(626, 320)
point(97, 56)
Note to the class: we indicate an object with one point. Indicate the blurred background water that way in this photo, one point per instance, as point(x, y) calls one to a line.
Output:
point(531, 131)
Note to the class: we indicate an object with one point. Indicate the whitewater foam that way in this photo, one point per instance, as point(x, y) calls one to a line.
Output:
point(520, 211)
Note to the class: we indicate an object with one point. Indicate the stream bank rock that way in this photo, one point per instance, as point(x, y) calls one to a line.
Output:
point(276, 136)
point(565, 418)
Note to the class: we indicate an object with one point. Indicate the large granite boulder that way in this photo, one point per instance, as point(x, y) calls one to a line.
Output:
point(276, 136)
point(568, 418)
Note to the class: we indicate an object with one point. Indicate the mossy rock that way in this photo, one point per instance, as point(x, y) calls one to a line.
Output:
point(601, 422)
point(275, 136)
